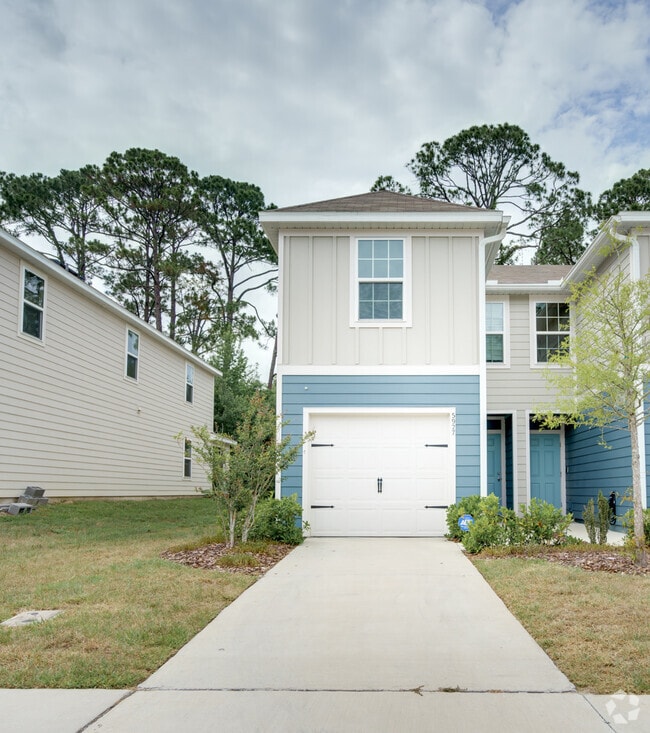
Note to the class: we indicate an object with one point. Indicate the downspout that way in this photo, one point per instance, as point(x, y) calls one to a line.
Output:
point(483, 246)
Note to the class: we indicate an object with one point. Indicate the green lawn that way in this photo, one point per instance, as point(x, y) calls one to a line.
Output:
point(125, 610)
point(594, 625)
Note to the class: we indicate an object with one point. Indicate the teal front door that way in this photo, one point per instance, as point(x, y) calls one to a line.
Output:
point(545, 475)
point(494, 464)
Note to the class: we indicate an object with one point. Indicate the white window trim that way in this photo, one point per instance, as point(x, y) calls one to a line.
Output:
point(23, 334)
point(533, 300)
point(189, 368)
point(505, 364)
point(406, 320)
point(126, 354)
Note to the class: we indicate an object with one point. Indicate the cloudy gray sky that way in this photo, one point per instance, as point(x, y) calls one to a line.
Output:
point(312, 99)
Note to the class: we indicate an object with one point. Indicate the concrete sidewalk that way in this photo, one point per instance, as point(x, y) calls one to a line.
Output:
point(358, 635)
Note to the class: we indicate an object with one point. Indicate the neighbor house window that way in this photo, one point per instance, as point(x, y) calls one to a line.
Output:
point(380, 274)
point(33, 304)
point(132, 354)
point(551, 329)
point(494, 333)
point(189, 383)
point(187, 459)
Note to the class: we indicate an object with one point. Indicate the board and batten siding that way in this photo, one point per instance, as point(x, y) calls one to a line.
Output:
point(316, 290)
point(519, 388)
point(70, 421)
point(459, 392)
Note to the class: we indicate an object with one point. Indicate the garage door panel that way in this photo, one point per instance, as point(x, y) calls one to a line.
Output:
point(360, 448)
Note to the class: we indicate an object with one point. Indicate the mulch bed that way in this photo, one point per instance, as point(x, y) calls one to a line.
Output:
point(609, 560)
point(211, 557)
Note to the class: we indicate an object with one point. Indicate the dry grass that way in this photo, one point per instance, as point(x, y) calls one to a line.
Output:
point(125, 610)
point(593, 625)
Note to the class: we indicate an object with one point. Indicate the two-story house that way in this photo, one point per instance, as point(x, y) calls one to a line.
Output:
point(91, 397)
point(419, 365)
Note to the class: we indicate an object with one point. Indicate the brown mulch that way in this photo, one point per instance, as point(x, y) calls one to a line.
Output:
point(608, 561)
point(211, 557)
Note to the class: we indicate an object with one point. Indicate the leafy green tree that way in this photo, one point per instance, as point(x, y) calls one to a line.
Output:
point(241, 473)
point(229, 221)
point(628, 194)
point(237, 386)
point(492, 166)
point(606, 380)
point(388, 183)
point(562, 241)
point(63, 210)
point(151, 205)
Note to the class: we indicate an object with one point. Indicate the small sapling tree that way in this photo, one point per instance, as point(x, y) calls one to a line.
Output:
point(606, 382)
point(241, 469)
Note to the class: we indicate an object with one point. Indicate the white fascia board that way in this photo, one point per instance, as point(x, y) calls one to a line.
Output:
point(553, 286)
point(476, 219)
point(54, 270)
point(329, 370)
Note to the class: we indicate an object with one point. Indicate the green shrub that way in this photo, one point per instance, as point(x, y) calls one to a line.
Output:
point(628, 523)
point(604, 513)
point(275, 520)
point(543, 523)
point(467, 505)
point(589, 518)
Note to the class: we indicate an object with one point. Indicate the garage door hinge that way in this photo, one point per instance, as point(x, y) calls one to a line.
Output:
point(322, 445)
point(436, 445)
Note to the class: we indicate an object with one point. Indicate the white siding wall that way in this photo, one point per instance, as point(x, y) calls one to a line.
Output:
point(316, 291)
point(70, 421)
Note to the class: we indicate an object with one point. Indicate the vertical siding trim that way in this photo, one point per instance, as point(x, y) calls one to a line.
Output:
point(451, 340)
point(427, 300)
point(310, 300)
point(483, 372)
point(335, 307)
point(283, 262)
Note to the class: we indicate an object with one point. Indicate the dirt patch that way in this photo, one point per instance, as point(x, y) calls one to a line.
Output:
point(219, 556)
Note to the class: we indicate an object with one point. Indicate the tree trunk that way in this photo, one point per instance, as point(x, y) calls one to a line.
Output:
point(639, 534)
point(232, 521)
point(274, 357)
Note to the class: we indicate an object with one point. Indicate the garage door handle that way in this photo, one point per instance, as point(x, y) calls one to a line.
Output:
point(436, 445)
point(322, 506)
point(436, 506)
point(380, 482)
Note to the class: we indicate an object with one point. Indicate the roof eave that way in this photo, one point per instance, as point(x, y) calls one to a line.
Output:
point(25, 252)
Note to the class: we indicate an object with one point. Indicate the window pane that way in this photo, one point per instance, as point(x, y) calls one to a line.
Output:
point(395, 309)
point(365, 291)
point(365, 249)
point(494, 348)
point(396, 249)
point(494, 316)
point(395, 291)
point(396, 268)
point(189, 393)
point(133, 343)
point(365, 309)
point(381, 268)
point(365, 268)
point(381, 309)
point(34, 289)
point(380, 291)
point(32, 321)
point(131, 367)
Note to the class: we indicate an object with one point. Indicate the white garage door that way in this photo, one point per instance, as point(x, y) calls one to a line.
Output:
point(380, 474)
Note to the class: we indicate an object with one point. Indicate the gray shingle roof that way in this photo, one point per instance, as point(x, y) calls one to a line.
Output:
point(528, 274)
point(379, 201)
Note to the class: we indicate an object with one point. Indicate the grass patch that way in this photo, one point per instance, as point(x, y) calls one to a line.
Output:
point(126, 611)
point(593, 625)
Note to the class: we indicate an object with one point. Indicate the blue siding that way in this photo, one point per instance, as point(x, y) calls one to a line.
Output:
point(591, 467)
point(461, 392)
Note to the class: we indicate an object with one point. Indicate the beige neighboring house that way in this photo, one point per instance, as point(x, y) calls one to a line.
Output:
point(91, 397)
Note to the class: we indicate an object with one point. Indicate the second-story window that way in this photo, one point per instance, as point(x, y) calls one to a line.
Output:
point(33, 304)
point(552, 325)
point(380, 271)
point(189, 383)
point(132, 354)
point(494, 333)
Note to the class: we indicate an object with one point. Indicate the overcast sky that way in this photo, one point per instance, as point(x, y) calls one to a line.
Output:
point(313, 99)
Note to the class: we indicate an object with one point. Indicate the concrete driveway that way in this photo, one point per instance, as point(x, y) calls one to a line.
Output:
point(360, 635)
